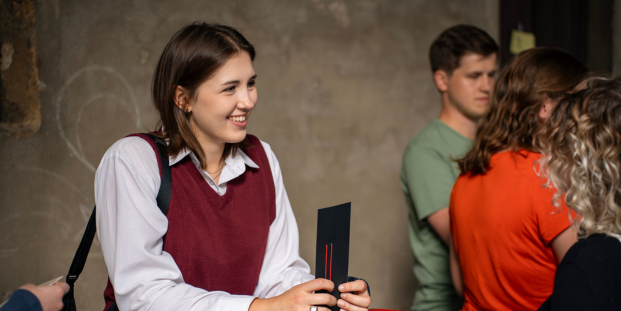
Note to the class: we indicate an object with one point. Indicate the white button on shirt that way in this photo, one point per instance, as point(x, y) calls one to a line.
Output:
point(131, 227)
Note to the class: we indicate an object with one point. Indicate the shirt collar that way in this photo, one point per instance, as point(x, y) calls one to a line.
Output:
point(182, 154)
point(240, 159)
point(240, 156)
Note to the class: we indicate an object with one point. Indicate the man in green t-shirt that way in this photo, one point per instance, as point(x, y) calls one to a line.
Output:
point(463, 62)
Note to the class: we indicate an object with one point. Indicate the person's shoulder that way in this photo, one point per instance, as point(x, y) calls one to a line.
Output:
point(427, 138)
point(597, 248)
point(129, 146)
point(269, 153)
point(522, 163)
point(252, 148)
point(252, 141)
point(268, 149)
point(600, 244)
point(424, 157)
point(134, 151)
point(430, 134)
point(420, 150)
point(597, 256)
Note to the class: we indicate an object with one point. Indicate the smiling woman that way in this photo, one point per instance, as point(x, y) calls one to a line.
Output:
point(201, 69)
point(219, 110)
point(229, 239)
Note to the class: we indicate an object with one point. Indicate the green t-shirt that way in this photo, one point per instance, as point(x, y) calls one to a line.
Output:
point(428, 173)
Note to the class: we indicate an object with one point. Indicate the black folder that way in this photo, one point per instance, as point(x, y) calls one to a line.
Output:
point(332, 262)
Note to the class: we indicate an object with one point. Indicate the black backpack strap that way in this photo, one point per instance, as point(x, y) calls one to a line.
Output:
point(78, 262)
point(163, 195)
point(162, 199)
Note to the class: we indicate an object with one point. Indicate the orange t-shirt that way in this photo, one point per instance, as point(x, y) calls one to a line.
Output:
point(502, 224)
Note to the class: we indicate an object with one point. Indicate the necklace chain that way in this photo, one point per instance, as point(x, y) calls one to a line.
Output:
point(217, 171)
point(215, 177)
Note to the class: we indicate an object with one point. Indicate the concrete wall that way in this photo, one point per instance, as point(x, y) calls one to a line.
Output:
point(343, 85)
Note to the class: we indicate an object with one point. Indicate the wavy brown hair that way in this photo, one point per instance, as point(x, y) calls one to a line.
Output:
point(583, 155)
point(520, 90)
point(190, 58)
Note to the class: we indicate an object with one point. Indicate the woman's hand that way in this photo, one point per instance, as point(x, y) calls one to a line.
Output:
point(299, 298)
point(359, 300)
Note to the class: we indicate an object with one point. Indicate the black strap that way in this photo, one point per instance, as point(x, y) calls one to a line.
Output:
point(163, 195)
point(78, 262)
point(162, 199)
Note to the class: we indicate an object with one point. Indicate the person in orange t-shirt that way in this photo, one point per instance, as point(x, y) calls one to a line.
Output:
point(507, 236)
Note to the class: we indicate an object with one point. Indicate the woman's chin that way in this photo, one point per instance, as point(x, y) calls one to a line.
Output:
point(237, 138)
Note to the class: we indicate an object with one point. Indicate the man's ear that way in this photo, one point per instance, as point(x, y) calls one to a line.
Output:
point(440, 77)
point(181, 99)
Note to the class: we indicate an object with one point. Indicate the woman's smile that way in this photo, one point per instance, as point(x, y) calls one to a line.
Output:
point(238, 120)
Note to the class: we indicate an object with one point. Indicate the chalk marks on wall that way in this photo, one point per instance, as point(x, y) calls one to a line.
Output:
point(54, 198)
point(91, 102)
point(54, 205)
point(89, 86)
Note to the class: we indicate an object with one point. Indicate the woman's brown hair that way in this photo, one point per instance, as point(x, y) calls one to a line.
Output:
point(520, 90)
point(190, 58)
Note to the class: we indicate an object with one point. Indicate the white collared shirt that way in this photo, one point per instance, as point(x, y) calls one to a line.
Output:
point(131, 227)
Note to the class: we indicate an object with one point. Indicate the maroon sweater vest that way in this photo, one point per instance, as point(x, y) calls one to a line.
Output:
point(218, 242)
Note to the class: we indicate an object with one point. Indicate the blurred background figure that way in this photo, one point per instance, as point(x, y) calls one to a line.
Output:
point(507, 238)
point(463, 62)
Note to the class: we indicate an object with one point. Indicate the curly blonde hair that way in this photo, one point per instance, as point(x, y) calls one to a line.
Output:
point(583, 155)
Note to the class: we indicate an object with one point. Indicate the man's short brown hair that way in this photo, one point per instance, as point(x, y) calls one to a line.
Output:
point(455, 42)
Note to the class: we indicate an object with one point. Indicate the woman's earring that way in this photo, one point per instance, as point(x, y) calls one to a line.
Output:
point(187, 111)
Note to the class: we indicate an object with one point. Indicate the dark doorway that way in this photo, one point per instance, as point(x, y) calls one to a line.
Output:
point(579, 27)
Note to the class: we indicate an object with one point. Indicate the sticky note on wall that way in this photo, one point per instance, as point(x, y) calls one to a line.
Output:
point(521, 41)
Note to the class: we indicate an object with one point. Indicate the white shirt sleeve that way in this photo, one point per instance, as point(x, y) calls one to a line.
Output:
point(283, 267)
point(131, 226)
